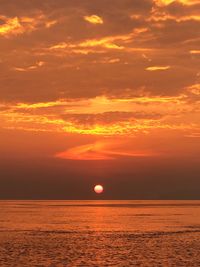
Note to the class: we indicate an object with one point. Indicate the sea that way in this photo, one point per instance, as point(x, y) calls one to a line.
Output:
point(100, 233)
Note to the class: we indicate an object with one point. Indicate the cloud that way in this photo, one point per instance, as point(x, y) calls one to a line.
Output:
point(105, 116)
point(32, 67)
point(51, 23)
point(133, 69)
point(168, 2)
point(85, 61)
point(13, 26)
point(116, 42)
point(100, 151)
point(104, 104)
point(195, 52)
point(194, 89)
point(94, 19)
point(163, 16)
point(109, 118)
point(155, 68)
point(107, 42)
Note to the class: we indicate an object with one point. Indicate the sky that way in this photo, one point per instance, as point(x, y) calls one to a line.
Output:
point(100, 92)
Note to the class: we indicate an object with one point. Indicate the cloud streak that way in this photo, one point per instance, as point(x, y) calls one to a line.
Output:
point(100, 151)
point(155, 68)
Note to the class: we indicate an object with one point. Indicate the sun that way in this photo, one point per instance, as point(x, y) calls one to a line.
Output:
point(98, 189)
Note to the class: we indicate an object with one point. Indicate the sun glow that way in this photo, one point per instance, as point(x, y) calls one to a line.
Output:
point(98, 189)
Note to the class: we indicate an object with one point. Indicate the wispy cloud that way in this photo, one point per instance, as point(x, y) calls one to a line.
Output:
point(101, 151)
point(112, 42)
point(32, 67)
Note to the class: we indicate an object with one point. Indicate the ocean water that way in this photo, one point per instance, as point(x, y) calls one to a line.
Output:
point(100, 233)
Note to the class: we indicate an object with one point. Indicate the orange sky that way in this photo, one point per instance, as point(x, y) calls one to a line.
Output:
point(100, 81)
